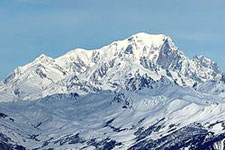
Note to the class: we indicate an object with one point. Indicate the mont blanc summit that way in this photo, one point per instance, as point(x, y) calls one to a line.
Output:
point(108, 68)
point(138, 93)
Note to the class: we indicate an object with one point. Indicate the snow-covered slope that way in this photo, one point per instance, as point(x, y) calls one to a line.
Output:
point(138, 93)
point(108, 68)
point(166, 117)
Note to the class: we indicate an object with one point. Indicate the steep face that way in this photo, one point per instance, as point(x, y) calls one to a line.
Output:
point(109, 68)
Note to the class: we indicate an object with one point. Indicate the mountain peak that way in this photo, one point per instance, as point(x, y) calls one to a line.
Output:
point(155, 41)
point(147, 35)
point(43, 58)
point(142, 36)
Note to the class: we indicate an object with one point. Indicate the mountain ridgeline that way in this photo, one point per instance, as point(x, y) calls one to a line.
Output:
point(113, 67)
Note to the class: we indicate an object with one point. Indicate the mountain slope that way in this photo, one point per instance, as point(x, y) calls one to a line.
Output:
point(138, 93)
point(155, 118)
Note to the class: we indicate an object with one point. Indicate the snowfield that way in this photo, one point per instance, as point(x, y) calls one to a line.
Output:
point(138, 93)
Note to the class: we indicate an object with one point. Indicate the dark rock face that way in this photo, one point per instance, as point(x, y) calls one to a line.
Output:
point(121, 98)
point(223, 78)
point(193, 136)
point(146, 63)
point(115, 129)
point(17, 92)
point(109, 122)
point(70, 139)
point(142, 134)
point(19, 147)
point(110, 144)
point(106, 144)
point(139, 82)
point(2, 115)
point(61, 96)
point(9, 78)
point(129, 49)
point(6, 144)
point(167, 56)
point(101, 144)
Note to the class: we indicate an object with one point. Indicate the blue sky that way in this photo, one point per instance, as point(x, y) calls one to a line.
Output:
point(29, 28)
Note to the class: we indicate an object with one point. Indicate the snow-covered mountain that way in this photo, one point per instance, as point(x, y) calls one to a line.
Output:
point(138, 93)
point(109, 68)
